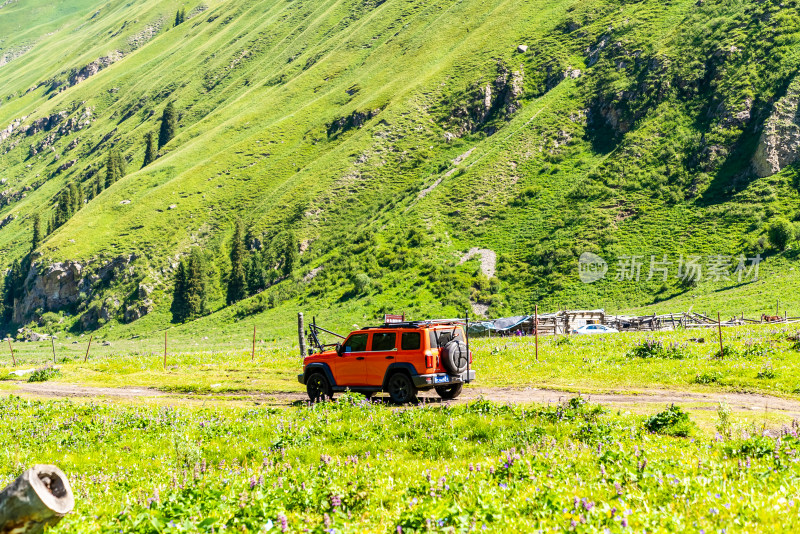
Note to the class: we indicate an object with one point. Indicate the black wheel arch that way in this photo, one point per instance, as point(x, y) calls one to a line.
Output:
point(403, 367)
point(317, 367)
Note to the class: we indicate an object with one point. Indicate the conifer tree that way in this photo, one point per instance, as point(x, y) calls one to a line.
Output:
point(115, 167)
point(183, 15)
point(169, 122)
point(237, 283)
point(179, 306)
point(290, 253)
point(190, 294)
point(11, 289)
point(37, 231)
point(150, 151)
point(177, 18)
point(196, 284)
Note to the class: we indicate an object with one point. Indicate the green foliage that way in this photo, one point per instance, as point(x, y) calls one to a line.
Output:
point(653, 348)
point(711, 377)
point(237, 281)
point(37, 231)
point(781, 233)
point(671, 422)
point(180, 16)
point(150, 149)
point(766, 372)
point(169, 125)
point(356, 466)
point(189, 298)
point(115, 169)
point(44, 374)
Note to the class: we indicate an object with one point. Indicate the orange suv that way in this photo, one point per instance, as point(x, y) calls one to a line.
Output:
point(400, 358)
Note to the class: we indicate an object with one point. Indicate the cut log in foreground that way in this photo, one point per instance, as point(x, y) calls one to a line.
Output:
point(41, 496)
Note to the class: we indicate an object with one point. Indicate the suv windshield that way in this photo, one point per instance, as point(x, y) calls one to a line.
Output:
point(356, 343)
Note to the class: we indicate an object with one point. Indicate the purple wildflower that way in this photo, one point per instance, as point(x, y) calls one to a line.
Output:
point(284, 522)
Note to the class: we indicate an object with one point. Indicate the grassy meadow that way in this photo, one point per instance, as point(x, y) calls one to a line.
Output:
point(356, 466)
point(757, 359)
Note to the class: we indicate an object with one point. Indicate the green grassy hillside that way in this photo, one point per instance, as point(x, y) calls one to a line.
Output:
point(382, 141)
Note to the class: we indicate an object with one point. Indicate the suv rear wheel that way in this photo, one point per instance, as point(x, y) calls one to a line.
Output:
point(449, 392)
point(317, 386)
point(401, 388)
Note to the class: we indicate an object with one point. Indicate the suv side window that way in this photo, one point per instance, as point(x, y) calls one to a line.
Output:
point(410, 341)
point(384, 341)
point(356, 343)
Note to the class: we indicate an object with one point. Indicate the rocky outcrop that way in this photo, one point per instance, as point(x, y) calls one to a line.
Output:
point(57, 286)
point(7, 219)
point(357, 119)
point(60, 285)
point(499, 98)
point(79, 75)
point(779, 144)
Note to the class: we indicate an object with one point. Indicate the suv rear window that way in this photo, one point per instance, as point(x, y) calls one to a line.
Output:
point(384, 341)
point(440, 338)
point(356, 343)
point(410, 341)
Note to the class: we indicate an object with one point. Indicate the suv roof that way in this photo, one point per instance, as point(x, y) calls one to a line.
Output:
point(417, 324)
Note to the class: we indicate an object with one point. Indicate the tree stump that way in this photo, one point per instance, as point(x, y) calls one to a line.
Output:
point(39, 497)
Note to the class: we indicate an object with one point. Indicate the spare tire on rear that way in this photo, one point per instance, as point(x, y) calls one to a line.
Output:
point(454, 356)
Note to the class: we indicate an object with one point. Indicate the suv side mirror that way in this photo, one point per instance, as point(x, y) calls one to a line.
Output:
point(339, 349)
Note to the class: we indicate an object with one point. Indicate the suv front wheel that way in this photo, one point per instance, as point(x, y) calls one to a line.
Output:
point(401, 388)
point(317, 387)
point(449, 392)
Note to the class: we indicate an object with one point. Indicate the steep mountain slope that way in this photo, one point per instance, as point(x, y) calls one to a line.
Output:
point(385, 139)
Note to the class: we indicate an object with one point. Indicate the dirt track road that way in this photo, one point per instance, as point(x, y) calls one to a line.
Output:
point(642, 399)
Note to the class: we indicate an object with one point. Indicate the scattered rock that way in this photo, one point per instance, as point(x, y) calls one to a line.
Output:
point(124, 201)
point(522, 49)
point(172, 206)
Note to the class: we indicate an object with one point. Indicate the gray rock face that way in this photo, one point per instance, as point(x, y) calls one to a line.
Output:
point(57, 287)
point(779, 144)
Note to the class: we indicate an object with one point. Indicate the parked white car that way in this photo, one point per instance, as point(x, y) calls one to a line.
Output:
point(595, 329)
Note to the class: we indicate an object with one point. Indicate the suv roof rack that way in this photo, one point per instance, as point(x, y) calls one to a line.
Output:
point(417, 324)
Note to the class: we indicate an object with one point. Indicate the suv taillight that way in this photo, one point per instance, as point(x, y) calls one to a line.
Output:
point(429, 360)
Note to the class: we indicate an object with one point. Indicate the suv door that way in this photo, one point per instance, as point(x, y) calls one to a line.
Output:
point(350, 368)
point(412, 350)
point(383, 351)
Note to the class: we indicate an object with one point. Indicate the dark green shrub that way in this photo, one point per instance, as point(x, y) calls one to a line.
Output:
point(43, 375)
point(651, 348)
point(781, 233)
point(671, 422)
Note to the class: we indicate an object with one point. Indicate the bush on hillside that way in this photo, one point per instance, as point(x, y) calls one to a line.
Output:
point(781, 233)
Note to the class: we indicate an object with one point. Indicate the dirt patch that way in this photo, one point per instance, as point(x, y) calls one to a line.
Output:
point(638, 398)
point(488, 260)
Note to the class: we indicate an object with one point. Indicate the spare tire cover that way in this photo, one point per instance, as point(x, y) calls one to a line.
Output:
point(454, 356)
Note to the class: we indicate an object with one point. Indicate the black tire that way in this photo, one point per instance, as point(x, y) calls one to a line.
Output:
point(449, 392)
point(454, 357)
point(401, 389)
point(318, 387)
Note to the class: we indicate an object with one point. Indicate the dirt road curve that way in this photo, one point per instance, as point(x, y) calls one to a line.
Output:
point(642, 398)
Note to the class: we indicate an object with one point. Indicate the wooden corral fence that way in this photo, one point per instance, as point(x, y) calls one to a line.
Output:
point(565, 321)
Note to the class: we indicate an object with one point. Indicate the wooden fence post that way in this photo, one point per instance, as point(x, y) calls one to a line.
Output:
point(39, 497)
point(721, 348)
point(13, 358)
point(536, 329)
point(53, 342)
point(254, 344)
point(86, 358)
point(301, 334)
